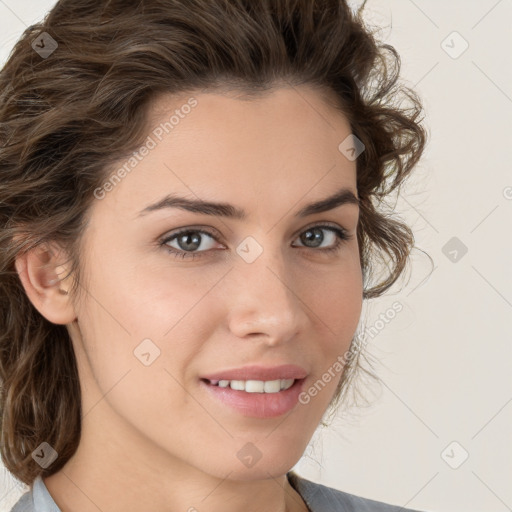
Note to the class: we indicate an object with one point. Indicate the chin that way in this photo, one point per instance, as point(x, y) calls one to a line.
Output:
point(257, 462)
point(260, 471)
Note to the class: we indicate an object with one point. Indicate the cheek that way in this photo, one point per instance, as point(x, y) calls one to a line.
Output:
point(136, 371)
point(337, 306)
point(142, 300)
point(335, 297)
point(337, 310)
point(138, 310)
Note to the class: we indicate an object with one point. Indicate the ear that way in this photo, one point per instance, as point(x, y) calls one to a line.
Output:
point(41, 271)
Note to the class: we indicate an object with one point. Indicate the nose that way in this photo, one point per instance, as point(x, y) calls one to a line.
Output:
point(265, 300)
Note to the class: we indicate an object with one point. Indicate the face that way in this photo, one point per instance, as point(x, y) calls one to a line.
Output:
point(266, 287)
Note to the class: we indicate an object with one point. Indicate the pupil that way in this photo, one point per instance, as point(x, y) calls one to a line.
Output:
point(314, 235)
point(190, 242)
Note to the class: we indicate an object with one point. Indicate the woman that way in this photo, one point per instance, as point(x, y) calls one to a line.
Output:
point(189, 225)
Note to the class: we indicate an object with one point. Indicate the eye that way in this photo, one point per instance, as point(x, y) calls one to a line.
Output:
point(313, 237)
point(190, 240)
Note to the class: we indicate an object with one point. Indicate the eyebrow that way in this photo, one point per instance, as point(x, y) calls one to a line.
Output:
point(341, 197)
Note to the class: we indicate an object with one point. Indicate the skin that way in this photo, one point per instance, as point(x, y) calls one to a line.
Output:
point(150, 434)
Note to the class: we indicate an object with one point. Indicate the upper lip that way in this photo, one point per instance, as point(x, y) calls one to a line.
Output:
point(254, 372)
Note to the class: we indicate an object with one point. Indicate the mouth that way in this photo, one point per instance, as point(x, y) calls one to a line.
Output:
point(254, 386)
point(254, 398)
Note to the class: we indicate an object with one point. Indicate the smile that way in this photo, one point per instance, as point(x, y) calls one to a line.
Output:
point(254, 398)
point(255, 386)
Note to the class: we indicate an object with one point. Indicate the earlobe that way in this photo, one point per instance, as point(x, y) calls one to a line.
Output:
point(39, 271)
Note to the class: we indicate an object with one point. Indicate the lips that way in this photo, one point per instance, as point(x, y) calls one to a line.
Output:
point(255, 372)
point(253, 404)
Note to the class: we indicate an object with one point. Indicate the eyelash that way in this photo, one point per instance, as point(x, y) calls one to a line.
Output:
point(341, 234)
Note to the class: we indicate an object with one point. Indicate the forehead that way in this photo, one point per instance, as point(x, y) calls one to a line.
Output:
point(275, 107)
point(267, 149)
point(287, 129)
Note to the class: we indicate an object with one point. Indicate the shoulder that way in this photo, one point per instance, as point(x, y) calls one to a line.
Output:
point(37, 499)
point(25, 503)
point(320, 498)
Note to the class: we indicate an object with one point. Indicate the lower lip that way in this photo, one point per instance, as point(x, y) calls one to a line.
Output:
point(257, 405)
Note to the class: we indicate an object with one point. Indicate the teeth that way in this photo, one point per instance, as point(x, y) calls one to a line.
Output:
point(270, 386)
point(256, 386)
point(238, 385)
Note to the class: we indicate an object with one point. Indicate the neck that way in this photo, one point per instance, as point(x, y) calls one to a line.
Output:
point(104, 475)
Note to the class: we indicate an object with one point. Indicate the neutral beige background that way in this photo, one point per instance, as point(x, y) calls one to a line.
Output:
point(445, 358)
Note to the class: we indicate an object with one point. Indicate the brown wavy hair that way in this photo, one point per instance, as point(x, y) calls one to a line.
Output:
point(66, 118)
